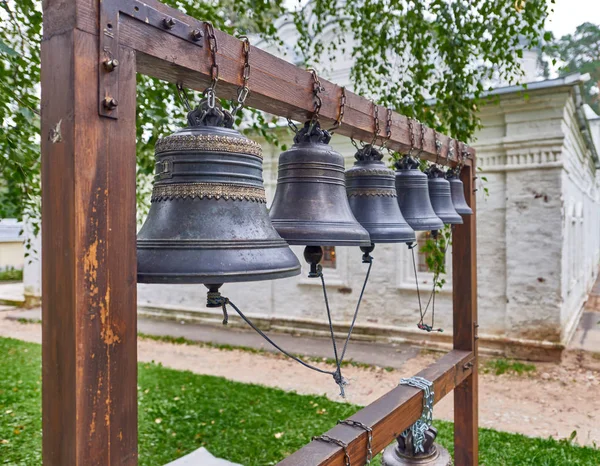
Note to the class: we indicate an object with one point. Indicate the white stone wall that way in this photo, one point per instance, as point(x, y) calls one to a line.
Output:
point(538, 247)
point(581, 222)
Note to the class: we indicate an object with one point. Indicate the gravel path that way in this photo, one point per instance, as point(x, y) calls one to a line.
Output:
point(555, 401)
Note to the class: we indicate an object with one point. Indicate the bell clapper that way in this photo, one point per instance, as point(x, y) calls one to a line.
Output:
point(313, 255)
point(367, 250)
point(215, 299)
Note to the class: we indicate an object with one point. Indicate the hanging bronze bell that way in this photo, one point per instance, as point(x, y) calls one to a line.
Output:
point(372, 196)
point(441, 199)
point(458, 193)
point(310, 206)
point(208, 222)
point(413, 196)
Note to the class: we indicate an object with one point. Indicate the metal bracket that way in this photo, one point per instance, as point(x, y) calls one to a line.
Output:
point(110, 11)
point(164, 169)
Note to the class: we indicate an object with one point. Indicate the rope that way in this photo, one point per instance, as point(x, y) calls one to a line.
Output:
point(339, 379)
point(215, 299)
point(431, 301)
point(223, 301)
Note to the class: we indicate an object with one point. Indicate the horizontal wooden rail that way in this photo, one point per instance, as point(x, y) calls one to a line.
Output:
point(388, 416)
point(276, 86)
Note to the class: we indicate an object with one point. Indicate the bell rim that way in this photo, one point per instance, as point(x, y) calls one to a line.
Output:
point(287, 229)
point(233, 277)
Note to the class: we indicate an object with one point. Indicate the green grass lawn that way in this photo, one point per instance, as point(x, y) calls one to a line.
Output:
point(249, 424)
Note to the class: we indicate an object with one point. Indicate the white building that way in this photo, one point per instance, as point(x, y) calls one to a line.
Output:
point(538, 241)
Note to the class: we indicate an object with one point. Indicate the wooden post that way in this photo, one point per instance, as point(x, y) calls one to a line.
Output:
point(464, 279)
point(89, 400)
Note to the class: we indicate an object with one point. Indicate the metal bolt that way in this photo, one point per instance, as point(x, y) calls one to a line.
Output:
point(468, 366)
point(169, 22)
point(110, 64)
point(196, 35)
point(110, 103)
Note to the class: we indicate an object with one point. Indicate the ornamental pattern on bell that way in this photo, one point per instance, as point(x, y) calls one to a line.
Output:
point(232, 192)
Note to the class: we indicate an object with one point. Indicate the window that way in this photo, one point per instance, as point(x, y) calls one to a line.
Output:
point(329, 258)
point(421, 240)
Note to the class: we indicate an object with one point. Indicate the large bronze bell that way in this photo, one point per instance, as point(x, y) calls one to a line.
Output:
point(458, 193)
point(441, 199)
point(310, 206)
point(372, 196)
point(208, 222)
point(413, 196)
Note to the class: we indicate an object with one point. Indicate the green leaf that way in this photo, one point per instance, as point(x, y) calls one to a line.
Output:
point(7, 50)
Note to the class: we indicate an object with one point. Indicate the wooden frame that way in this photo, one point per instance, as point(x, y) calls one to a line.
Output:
point(88, 227)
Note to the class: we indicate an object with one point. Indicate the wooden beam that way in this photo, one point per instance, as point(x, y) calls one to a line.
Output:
point(464, 279)
point(389, 416)
point(89, 357)
point(276, 86)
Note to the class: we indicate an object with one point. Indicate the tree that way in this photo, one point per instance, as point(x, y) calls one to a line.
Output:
point(445, 53)
point(581, 52)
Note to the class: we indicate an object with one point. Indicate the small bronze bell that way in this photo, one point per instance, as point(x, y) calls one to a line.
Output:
point(413, 196)
point(458, 193)
point(441, 199)
point(372, 196)
point(402, 452)
point(310, 206)
point(208, 222)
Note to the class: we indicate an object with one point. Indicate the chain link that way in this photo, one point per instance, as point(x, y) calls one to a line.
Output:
point(340, 118)
point(388, 126)
point(339, 443)
point(181, 92)
point(438, 146)
point(412, 137)
point(243, 90)
point(451, 149)
point(353, 423)
point(292, 125)
point(375, 123)
point(461, 161)
point(317, 89)
point(214, 68)
point(422, 139)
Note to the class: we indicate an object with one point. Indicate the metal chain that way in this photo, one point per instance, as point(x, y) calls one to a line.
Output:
point(421, 426)
point(182, 94)
point(339, 443)
point(412, 137)
point(388, 127)
point(317, 89)
point(369, 430)
point(292, 125)
point(422, 139)
point(243, 90)
point(340, 118)
point(214, 68)
point(450, 154)
point(438, 147)
point(375, 123)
